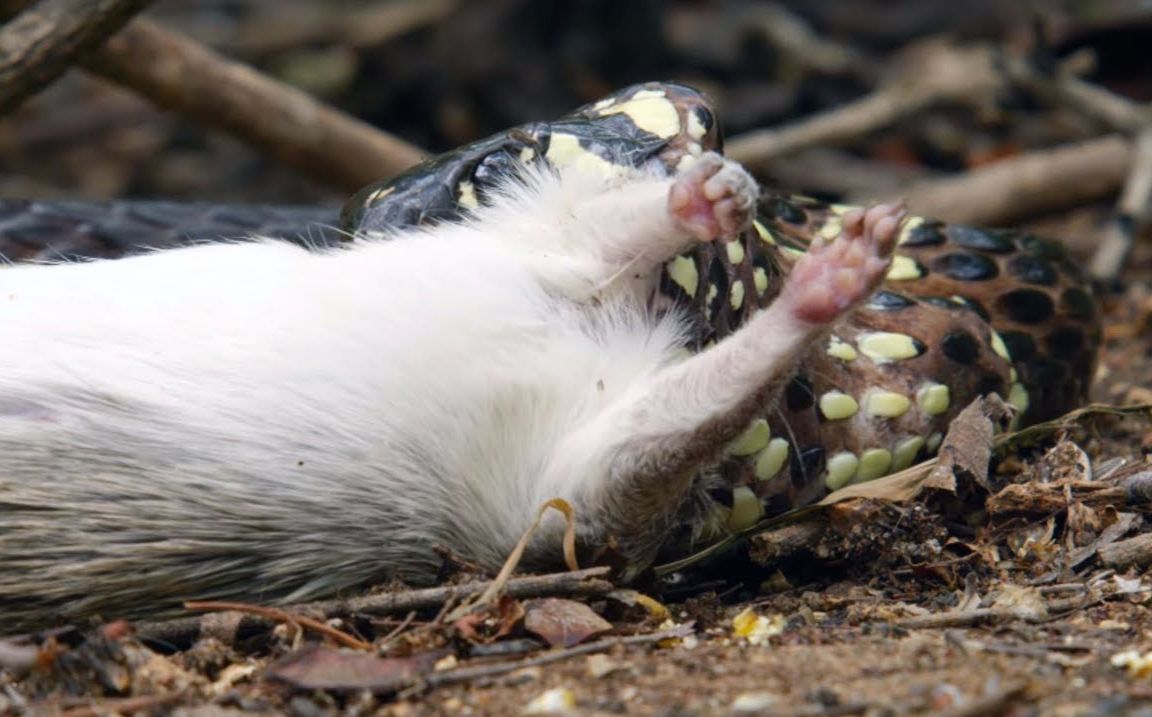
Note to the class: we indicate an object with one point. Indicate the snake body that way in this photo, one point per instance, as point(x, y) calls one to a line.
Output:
point(964, 312)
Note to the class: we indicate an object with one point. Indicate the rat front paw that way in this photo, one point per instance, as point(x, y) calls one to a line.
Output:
point(833, 277)
point(713, 197)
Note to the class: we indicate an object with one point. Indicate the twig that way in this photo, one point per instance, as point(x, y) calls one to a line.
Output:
point(276, 28)
point(280, 615)
point(583, 582)
point(126, 705)
point(949, 75)
point(1027, 185)
point(1134, 552)
point(1131, 215)
point(40, 43)
point(960, 618)
point(182, 75)
point(465, 674)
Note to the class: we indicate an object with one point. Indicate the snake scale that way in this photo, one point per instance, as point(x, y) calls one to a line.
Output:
point(964, 311)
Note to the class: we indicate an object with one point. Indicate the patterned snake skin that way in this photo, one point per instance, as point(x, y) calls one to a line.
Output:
point(964, 312)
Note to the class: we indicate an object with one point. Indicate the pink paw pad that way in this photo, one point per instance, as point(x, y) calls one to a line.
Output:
point(833, 277)
point(713, 198)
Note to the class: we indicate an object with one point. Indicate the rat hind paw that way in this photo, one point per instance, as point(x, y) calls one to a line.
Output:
point(713, 197)
point(833, 277)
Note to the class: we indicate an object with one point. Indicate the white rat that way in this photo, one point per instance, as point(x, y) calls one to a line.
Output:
point(256, 421)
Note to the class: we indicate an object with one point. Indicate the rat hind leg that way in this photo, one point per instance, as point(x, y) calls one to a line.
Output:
point(651, 443)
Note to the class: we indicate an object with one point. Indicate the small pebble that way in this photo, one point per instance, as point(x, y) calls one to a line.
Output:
point(558, 700)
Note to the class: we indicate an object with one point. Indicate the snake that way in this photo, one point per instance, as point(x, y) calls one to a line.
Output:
point(964, 311)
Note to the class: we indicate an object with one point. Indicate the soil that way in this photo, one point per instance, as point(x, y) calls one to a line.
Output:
point(961, 604)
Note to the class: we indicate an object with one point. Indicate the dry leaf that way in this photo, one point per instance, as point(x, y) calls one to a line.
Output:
point(563, 623)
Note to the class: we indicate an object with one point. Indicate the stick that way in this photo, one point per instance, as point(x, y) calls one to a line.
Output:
point(40, 43)
point(184, 630)
point(1027, 185)
point(946, 75)
point(181, 75)
point(1131, 215)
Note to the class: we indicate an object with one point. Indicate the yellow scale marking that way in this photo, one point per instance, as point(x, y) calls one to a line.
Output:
point(735, 252)
point(885, 346)
point(886, 404)
point(910, 225)
point(837, 405)
point(933, 398)
point(467, 197)
point(736, 295)
point(904, 268)
point(874, 462)
point(999, 346)
point(746, 509)
point(763, 233)
point(905, 452)
point(565, 150)
point(696, 129)
point(682, 270)
point(760, 279)
point(651, 111)
point(753, 440)
point(771, 460)
point(838, 348)
point(831, 228)
point(842, 468)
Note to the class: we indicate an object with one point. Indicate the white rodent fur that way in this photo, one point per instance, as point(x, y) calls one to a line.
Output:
point(253, 420)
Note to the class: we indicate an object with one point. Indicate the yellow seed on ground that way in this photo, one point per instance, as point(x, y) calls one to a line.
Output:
point(735, 252)
point(837, 405)
point(682, 270)
point(770, 460)
point(874, 463)
point(746, 509)
point(933, 443)
point(838, 348)
point(933, 398)
point(903, 268)
point(753, 440)
point(905, 452)
point(841, 469)
point(886, 404)
point(883, 346)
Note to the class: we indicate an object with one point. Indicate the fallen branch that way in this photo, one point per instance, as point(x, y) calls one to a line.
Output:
point(1027, 185)
point(1123, 554)
point(43, 41)
point(281, 121)
point(184, 630)
point(944, 74)
point(1131, 216)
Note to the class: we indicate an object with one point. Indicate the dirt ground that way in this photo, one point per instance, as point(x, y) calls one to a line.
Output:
point(1028, 598)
